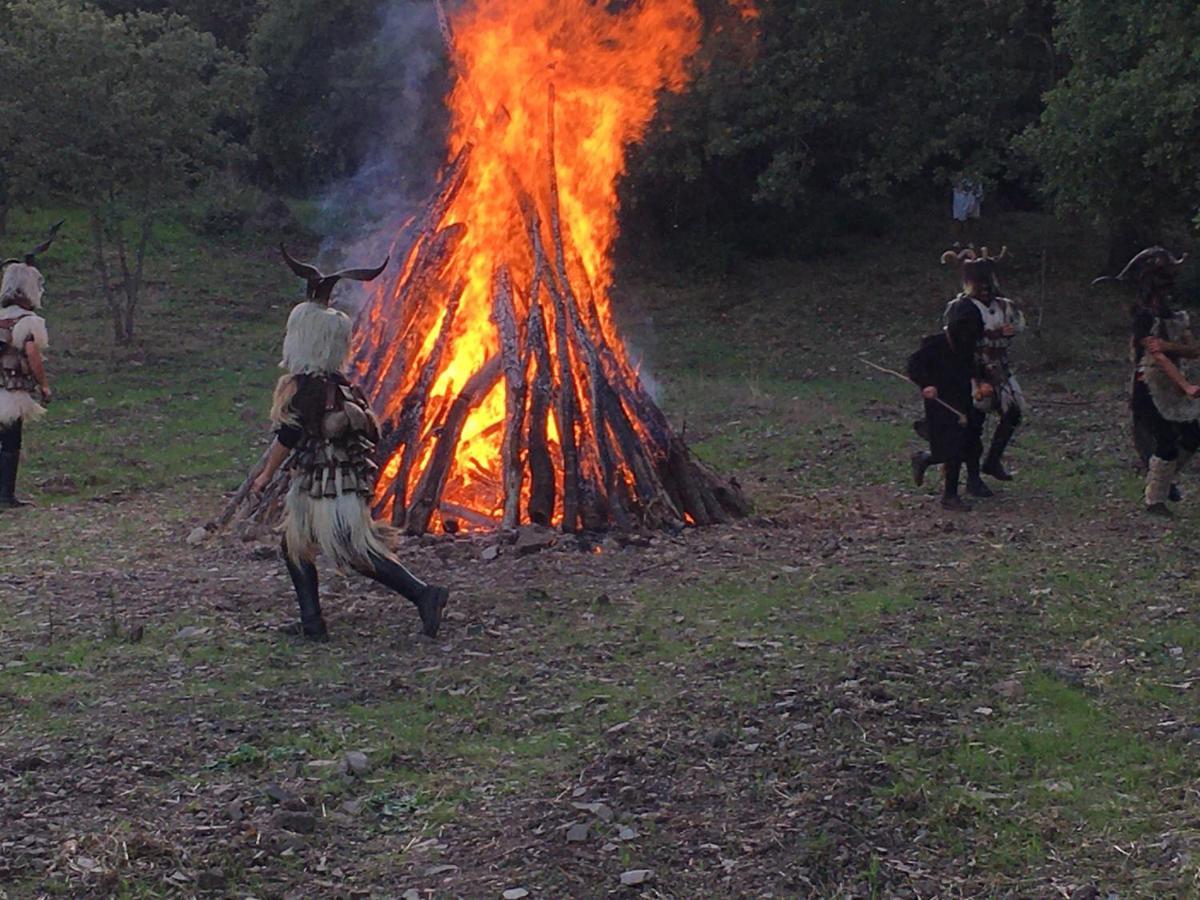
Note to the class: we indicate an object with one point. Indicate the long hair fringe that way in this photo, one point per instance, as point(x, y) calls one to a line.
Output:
point(340, 527)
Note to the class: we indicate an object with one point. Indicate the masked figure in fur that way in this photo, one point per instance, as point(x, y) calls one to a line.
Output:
point(325, 434)
point(1164, 402)
point(23, 343)
point(999, 319)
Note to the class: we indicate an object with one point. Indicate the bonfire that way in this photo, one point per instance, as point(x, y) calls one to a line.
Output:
point(505, 394)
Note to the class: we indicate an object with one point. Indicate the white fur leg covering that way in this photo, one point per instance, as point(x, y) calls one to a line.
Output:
point(18, 405)
point(1158, 480)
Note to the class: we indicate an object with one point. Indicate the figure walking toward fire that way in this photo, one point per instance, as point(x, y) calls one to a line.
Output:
point(999, 319)
point(1164, 403)
point(23, 342)
point(325, 434)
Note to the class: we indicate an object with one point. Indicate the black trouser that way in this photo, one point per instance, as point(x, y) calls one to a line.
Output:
point(1168, 437)
point(1009, 420)
point(10, 437)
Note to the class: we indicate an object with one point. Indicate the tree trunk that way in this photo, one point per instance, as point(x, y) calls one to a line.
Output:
point(101, 266)
point(129, 281)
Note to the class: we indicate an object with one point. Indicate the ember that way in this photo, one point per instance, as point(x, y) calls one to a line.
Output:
point(505, 393)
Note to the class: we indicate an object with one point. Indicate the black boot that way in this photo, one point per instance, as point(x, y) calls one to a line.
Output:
point(975, 485)
point(429, 599)
point(304, 580)
point(8, 480)
point(992, 465)
point(921, 460)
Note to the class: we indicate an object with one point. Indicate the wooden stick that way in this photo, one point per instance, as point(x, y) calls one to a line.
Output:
point(379, 312)
point(427, 495)
point(412, 413)
point(962, 419)
point(239, 495)
point(505, 316)
point(567, 401)
point(541, 468)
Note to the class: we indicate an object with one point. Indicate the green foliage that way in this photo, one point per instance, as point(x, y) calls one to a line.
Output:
point(133, 111)
point(334, 88)
point(839, 101)
point(1119, 135)
point(230, 21)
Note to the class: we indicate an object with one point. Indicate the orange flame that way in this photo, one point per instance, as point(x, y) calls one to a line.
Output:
point(543, 88)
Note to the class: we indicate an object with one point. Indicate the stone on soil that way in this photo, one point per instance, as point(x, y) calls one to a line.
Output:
point(295, 822)
point(534, 539)
point(356, 763)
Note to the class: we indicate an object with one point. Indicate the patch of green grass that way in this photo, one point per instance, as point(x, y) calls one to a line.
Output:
point(1009, 790)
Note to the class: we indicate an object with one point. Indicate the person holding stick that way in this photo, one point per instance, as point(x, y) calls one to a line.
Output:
point(942, 367)
point(1164, 402)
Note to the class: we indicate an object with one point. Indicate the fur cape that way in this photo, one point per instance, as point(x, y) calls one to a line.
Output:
point(317, 343)
point(16, 405)
point(1172, 403)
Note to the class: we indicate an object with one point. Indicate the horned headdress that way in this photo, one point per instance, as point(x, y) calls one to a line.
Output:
point(22, 281)
point(977, 265)
point(318, 336)
point(1151, 269)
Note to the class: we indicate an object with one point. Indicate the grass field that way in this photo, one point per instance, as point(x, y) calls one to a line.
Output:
point(853, 694)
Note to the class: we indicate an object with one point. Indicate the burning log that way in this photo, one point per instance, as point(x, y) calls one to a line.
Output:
point(412, 413)
point(541, 467)
point(505, 316)
point(429, 489)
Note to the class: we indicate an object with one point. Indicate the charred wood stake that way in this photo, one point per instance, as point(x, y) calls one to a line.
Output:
point(424, 282)
point(240, 495)
point(567, 400)
point(427, 495)
point(504, 315)
point(542, 489)
point(568, 405)
point(425, 228)
point(412, 414)
point(679, 470)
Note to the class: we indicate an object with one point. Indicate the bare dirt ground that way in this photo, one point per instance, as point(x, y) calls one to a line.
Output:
point(759, 710)
point(852, 694)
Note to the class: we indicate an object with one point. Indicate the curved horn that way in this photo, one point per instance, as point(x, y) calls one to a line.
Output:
point(950, 256)
point(362, 274)
point(1178, 262)
point(1104, 279)
point(304, 270)
point(968, 255)
point(32, 255)
point(9, 262)
point(1003, 251)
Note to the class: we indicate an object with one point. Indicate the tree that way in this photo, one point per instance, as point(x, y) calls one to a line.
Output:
point(845, 101)
point(344, 77)
point(128, 114)
point(1119, 135)
point(231, 22)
